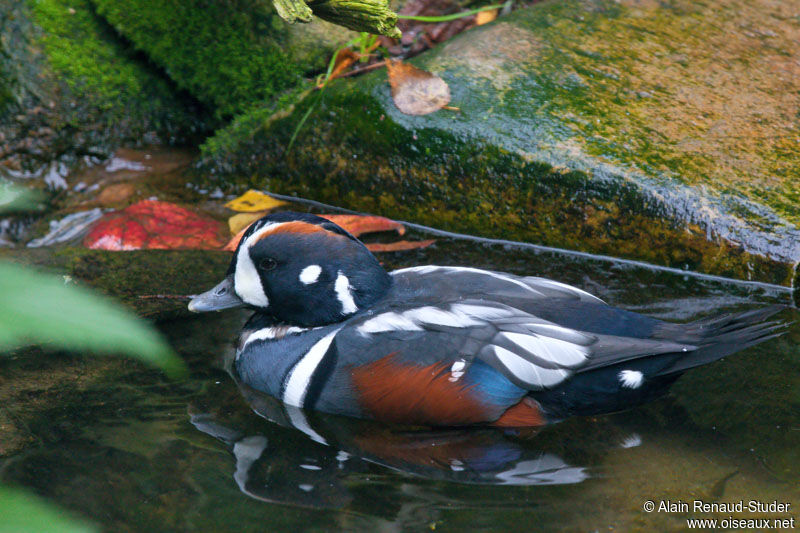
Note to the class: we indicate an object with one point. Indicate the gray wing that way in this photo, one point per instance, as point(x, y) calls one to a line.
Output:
point(470, 282)
point(532, 353)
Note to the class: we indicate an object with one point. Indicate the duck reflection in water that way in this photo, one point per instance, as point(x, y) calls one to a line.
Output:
point(312, 471)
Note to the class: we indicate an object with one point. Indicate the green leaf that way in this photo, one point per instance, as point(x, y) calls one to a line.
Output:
point(37, 308)
point(23, 512)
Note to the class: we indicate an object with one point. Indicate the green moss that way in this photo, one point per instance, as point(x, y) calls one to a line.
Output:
point(70, 87)
point(227, 53)
point(86, 55)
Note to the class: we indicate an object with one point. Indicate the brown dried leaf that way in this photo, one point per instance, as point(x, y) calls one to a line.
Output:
point(360, 224)
point(398, 246)
point(415, 91)
point(355, 224)
point(344, 59)
point(115, 194)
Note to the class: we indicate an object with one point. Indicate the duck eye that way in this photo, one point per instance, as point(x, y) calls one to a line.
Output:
point(267, 264)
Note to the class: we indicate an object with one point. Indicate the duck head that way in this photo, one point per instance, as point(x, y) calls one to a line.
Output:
point(301, 269)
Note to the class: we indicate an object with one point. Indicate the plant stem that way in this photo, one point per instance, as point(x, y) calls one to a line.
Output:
point(454, 16)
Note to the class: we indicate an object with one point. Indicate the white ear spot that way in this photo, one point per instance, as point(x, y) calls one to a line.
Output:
point(631, 379)
point(342, 288)
point(310, 274)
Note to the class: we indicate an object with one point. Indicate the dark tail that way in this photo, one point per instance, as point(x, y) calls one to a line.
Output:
point(720, 336)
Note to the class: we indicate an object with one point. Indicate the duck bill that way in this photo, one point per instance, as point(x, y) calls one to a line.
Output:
point(220, 297)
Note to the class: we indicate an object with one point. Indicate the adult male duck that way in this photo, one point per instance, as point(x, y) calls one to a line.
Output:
point(445, 346)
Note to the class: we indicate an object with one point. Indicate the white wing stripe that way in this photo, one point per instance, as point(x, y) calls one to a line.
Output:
point(563, 286)
point(388, 322)
point(459, 316)
point(430, 268)
point(533, 376)
point(556, 351)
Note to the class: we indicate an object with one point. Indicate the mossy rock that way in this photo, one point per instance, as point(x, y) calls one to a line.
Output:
point(661, 131)
point(153, 283)
point(69, 87)
point(230, 54)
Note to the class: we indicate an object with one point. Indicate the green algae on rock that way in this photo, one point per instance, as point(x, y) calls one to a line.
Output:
point(70, 88)
point(230, 54)
point(656, 131)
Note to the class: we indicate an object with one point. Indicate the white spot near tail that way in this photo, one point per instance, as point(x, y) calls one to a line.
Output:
point(342, 288)
point(631, 379)
point(310, 274)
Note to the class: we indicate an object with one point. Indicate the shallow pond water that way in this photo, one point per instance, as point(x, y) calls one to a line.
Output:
point(133, 451)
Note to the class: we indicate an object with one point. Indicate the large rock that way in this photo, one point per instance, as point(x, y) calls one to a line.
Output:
point(69, 87)
point(662, 131)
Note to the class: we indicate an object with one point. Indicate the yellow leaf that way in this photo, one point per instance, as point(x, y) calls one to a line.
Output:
point(252, 201)
point(485, 17)
point(240, 221)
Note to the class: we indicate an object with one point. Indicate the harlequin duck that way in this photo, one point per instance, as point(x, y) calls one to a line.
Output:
point(445, 345)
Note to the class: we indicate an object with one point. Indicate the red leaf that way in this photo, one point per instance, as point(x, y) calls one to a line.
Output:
point(398, 246)
point(155, 225)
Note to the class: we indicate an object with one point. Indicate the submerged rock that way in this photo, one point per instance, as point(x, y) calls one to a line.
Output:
point(661, 131)
point(154, 283)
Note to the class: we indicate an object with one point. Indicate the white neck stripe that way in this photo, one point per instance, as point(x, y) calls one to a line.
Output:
point(300, 376)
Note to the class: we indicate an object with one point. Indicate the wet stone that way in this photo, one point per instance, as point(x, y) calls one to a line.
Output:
point(664, 132)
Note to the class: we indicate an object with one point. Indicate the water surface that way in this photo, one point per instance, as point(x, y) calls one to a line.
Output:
point(132, 451)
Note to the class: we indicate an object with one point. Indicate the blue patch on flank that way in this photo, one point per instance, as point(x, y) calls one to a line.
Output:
point(493, 385)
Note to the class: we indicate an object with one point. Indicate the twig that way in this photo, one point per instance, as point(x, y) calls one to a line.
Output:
point(166, 296)
point(358, 71)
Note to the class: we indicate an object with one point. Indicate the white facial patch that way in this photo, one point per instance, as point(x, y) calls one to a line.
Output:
point(246, 281)
point(631, 379)
point(310, 274)
point(342, 288)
